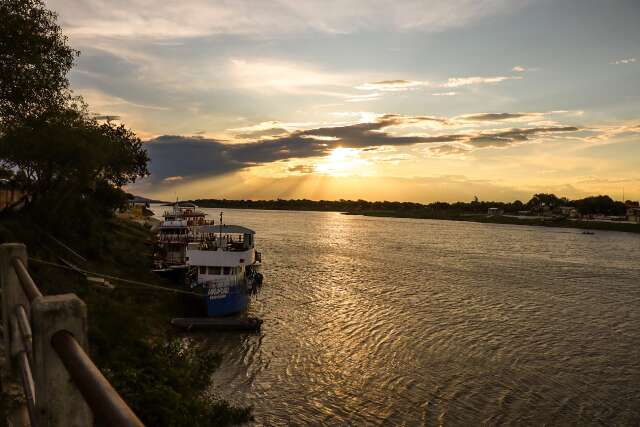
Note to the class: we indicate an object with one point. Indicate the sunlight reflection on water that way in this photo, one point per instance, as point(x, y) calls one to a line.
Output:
point(405, 322)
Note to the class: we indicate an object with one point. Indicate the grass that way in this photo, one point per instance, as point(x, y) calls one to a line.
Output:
point(164, 379)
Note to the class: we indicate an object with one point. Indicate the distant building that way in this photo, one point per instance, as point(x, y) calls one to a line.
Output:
point(568, 211)
point(633, 214)
point(137, 208)
point(494, 212)
point(10, 196)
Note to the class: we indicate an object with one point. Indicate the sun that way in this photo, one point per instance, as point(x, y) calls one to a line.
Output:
point(341, 162)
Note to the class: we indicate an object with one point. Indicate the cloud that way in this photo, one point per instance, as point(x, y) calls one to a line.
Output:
point(363, 98)
point(466, 81)
point(494, 117)
point(452, 82)
point(393, 85)
point(449, 150)
point(260, 130)
point(445, 94)
point(256, 18)
point(185, 156)
point(189, 157)
point(99, 100)
point(519, 69)
point(262, 133)
point(282, 76)
point(609, 133)
point(624, 61)
point(502, 139)
point(302, 169)
point(173, 178)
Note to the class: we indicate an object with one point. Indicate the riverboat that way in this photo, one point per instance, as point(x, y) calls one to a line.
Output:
point(174, 233)
point(224, 266)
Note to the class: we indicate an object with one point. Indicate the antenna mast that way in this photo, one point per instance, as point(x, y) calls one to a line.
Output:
point(220, 228)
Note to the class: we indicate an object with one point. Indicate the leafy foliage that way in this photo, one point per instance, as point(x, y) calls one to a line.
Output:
point(34, 61)
point(166, 382)
point(63, 158)
point(67, 158)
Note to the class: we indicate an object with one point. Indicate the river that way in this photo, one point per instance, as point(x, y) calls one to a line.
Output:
point(388, 321)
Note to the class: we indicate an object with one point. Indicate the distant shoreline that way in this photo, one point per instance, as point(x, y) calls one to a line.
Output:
point(330, 206)
point(481, 218)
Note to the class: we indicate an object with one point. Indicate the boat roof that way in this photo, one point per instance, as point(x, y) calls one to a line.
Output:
point(226, 229)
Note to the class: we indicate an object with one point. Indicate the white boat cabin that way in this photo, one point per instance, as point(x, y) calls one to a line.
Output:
point(221, 252)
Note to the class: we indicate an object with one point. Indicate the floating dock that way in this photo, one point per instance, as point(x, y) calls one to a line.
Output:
point(217, 324)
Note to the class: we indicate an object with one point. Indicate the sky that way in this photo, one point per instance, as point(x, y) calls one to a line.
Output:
point(374, 99)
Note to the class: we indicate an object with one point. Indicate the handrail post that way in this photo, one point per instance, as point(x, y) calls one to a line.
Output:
point(58, 400)
point(12, 293)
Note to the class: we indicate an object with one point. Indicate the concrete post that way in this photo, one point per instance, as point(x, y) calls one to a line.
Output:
point(58, 401)
point(12, 293)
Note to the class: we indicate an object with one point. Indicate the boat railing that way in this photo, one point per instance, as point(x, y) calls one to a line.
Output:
point(175, 238)
point(205, 246)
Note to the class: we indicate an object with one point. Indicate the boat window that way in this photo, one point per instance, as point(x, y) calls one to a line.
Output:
point(203, 270)
point(214, 270)
point(227, 270)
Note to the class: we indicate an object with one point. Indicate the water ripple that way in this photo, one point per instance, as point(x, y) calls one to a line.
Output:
point(382, 321)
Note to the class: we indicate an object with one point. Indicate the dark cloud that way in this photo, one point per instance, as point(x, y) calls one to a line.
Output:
point(262, 133)
point(392, 82)
point(509, 137)
point(101, 62)
point(188, 156)
point(449, 150)
point(302, 169)
point(197, 156)
point(491, 117)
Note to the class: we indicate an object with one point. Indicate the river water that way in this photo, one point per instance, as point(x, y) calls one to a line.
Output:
point(387, 321)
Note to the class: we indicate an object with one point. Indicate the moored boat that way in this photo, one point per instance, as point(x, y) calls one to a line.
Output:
point(224, 264)
point(174, 233)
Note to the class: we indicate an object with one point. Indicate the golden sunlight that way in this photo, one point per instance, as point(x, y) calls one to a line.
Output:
point(342, 162)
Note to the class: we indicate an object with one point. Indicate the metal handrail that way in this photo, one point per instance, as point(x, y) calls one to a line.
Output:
point(30, 289)
point(104, 401)
point(22, 349)
point(100, 396)
point(25, 328)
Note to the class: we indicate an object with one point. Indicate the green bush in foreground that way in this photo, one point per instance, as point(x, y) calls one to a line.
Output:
point(166, 382)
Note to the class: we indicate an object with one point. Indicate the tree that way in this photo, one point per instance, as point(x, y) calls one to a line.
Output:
point(599, 205)
point(62, 157)
point(34, 61)
point(550, 200)
point(66, 155)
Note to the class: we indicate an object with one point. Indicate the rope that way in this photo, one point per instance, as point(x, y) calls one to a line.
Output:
point(119, 279)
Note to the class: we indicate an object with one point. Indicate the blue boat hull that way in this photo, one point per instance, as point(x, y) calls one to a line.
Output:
point(234, 301)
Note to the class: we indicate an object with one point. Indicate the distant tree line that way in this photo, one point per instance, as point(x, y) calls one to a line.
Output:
point(587, 206)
